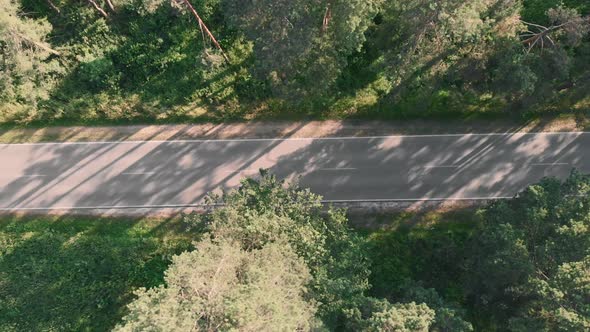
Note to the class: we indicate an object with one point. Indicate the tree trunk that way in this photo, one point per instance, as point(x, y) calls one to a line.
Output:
point(327, 17)
point(98, 8)
point(204, 27)
point(53, 6)
point(111, 6)
point(40, 45)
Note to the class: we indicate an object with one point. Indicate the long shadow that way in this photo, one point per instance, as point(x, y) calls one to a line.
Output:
point(62, 161)
point(74, 278)
point(409, 168)
point(130, 173)
point(182, 173)
point(36, 181)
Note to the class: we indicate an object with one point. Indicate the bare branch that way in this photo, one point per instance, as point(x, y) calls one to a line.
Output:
point(35, 43)
point(111, 6)
point(204, 27)
point(531, 38)
point(53, 6)
point(534, 25)
point(98, 8)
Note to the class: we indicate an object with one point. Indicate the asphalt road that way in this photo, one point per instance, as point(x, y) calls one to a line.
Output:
point(175, 174)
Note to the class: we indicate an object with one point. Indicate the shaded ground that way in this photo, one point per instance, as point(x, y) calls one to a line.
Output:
point(428, 248)
point(76, 273)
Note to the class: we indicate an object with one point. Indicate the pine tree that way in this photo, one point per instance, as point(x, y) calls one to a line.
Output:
point(27, 62)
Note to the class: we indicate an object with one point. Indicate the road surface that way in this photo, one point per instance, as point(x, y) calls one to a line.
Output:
point(175, 174)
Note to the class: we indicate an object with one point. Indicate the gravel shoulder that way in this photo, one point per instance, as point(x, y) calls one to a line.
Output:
point(278, 129)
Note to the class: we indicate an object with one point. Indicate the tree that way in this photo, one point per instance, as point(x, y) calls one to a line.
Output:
point(27, 61)
point(562, 300)
point(530, 260)
point(204, 28)
point(551, 49)
point(443, 44)
point(301, 45)
point(221, 287)
point(267, 210)
point(447, 318)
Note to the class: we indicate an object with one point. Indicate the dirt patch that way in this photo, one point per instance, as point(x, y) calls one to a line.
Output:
point(276, 129)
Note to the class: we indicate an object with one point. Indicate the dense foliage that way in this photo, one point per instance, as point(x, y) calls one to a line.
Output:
point(521, 265)
point(267, 213)
point(518, 265)
point(531, 260)
point(133, 60)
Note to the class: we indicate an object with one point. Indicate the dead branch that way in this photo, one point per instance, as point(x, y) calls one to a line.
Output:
point(37, 44)
point(98, 8)
point(543, 33)
point(327, 18)
point(111, 6)
point(53, 6)
point(204, 27)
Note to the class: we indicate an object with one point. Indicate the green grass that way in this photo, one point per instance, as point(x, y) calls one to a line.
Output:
point(77, 273)
point(428, 248)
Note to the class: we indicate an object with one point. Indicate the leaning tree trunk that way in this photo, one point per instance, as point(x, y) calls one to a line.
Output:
point(111, 6)
point(98, 8)
point(53, 6)
point(204, 28)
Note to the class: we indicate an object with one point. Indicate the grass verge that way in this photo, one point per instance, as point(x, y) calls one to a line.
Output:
point(78, 273)
point(424, 247)
point(274, 129)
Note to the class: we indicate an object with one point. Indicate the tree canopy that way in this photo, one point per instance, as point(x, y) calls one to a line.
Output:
point(28, 67)
point(220, 287)
point(271, 256)
point(530, 261)
point(270, 249)
point(184, 60)
point(268, 256)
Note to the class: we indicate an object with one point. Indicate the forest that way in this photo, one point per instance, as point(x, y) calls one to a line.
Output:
point(151, 61)
point(272, 258)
